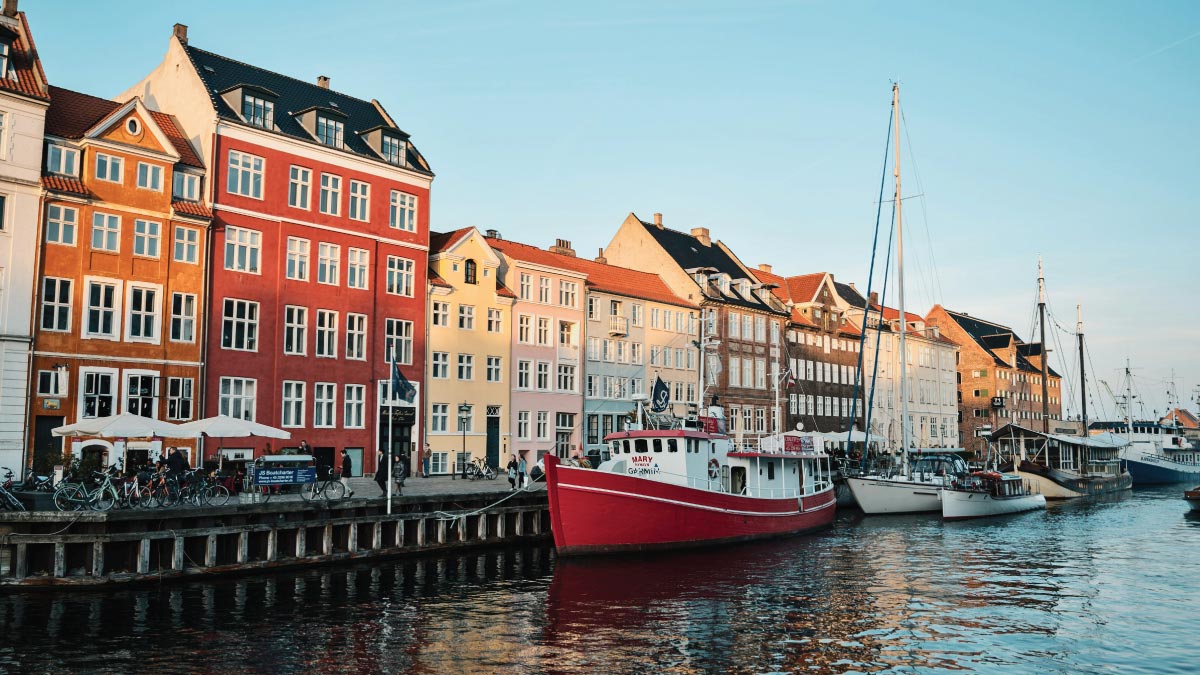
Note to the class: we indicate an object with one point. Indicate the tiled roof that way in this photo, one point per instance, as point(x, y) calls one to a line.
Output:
point(891, 314)
point(436, 279)
point(31, 79)
point(804, 288)
point(186, 208)
point(601, 277)
point(442, 241)
point(502, 291)
point(851, 296)
point(73, 114)
point(221, 74)
point(64, 184)
point(988, 336)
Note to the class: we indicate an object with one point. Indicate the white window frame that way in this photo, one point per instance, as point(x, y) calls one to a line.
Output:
point(295, 325)
point(62, 229)
point(250, 323)
point(400, 276)
point(358, 268)
point(181, 391)
point(147, 234)
point(56, 305)
point(115, 333)
point(398, 332)
point(187, 244)
point(495, 369)
point(329, 258)
point(245, 174)
point(356, 336)
point(324, 405)
point(330, 198)
point(108, 165)
point(402, 213)
point(62, 160)
point(294, 398)
point(296, 263)
point(245, 398)
point(300, 188)
point(326, 334)
point(185, 186)
point(149, 177)
point(108, 227)
point(354, 399)
point(239, 241)
point(185, 321)
point(360, 201)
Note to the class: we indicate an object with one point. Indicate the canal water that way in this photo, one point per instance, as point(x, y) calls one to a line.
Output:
point(1088, 587)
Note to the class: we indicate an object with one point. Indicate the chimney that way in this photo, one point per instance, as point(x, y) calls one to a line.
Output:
point(701, 235)
point(563, 247)
point(179, 32)
point(853, 287)
point(874, 297)
point(764, 267)
point(600, 257)
point(323, 81)
point(10, 8)
point(492, 234)
point(658, 220)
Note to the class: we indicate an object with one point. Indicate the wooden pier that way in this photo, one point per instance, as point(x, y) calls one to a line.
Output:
point(53, 549)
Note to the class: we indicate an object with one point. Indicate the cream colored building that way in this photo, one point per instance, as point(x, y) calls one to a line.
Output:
point(469, 353)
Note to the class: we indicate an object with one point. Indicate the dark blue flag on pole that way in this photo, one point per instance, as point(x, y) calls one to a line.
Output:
point(401, 387)
point(660, 396)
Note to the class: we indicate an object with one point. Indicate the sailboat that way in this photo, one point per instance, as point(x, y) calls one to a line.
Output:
point(917, 487)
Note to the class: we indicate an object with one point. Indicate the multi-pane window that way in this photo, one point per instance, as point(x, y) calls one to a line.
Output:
point(183, 317)
point(360, 200)
point(258, 111)
point(187, 244)
point(393, 150)
point(331, 194)
point(403, 212)
point(62, 160)
point(466, 366)
point(466, 317)
point(108, 167)
point(106, 232)
point(523, 374)
point(526, 287)
point(566, 378)
point(297, 258)
point(330, 131)
point(149, 177)
point(439, 418)
point(440, 365)
point(441, 313)
point(523, 425)
point(399, 276)
point(328, 258)
point(493, 369)
point(327, 325)
point(358, 268)
point(544, 290)
point(543, 425)
point(99, 395)
point(143, 313)
point(324, 401)
point(354, 404)
point(295, 330)
point(145, 238)
point(101, 309)
point(543, 375)
point(239, 325)
point(245, 175)
point(567, 292)
point(398, 338)
point(186, 186)
point(293, 404)
point(543, 331)
point(299, 187)
point(141, 395)
point(56, 304)
point(636, 314)
point(524, 324)
point(180, 392)
point(494, 324)
point(470, 272)
point(60, 224)
point(237, 397)
point(356, 336)
point(242, 249)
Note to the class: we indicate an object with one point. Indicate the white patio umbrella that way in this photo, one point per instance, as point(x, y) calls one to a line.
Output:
point(224, 426)
point(125, 425)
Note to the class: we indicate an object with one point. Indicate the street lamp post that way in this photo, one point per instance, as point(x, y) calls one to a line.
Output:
point(464, 414)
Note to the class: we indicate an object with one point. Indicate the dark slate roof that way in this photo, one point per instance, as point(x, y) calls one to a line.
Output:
point(220, 74)
point(991, 336)
point(689, 253)
point(850, 295)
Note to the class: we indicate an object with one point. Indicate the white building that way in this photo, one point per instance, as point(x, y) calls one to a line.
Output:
point(24, 97)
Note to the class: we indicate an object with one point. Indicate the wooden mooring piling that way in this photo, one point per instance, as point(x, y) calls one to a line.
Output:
point(55, 549)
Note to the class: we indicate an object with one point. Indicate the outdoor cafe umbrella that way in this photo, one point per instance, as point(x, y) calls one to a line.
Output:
point(124, 425)
point(224, 426)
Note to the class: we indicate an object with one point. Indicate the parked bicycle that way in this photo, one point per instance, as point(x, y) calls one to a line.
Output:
point(479, 468)
point(79, 496)
point(329, 488)
point(39, 483)
point(9, 501)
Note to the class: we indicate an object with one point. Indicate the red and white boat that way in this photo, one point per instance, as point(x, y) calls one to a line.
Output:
point(676, 487)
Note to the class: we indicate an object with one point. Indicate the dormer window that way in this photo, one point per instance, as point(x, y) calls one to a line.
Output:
point(187, 186)
point(62, 160)
point(6, 69)
point(330, 131)
point(258, 111)
point(724, 283)
point(393, 150)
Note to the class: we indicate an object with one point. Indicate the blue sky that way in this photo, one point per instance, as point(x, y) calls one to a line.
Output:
point(1064, 130)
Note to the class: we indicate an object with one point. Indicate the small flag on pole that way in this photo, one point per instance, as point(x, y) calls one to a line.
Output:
point(401, 387)
point(660, 396)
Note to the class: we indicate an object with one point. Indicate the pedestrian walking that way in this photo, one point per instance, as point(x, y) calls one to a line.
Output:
point(512, 472)
point(426, 458)
point(521, 470)
point(347, 472)
point(381, 471)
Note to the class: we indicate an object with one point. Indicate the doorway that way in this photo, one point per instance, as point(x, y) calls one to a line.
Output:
point(737, 479)
point(493, 436)
point(47, 450)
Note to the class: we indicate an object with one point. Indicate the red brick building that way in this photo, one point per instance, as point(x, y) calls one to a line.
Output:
point(319, 254)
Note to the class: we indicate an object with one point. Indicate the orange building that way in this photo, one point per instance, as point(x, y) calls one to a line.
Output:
point(121, 273)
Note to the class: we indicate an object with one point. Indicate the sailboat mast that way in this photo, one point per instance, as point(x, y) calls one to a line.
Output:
point(1045, 349)
point(905, 431)
point(1082, 374)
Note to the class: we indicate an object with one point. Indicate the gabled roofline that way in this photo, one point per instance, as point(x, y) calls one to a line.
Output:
point(115, 116)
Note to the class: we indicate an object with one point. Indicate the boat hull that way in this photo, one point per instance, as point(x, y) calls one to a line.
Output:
point(1151, 470)
point(1193, 499)
point(882, 495)
point(1056, 484)
point(598, 512)
point(961, 505)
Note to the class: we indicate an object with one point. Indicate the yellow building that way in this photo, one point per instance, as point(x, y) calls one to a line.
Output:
point(469, 349)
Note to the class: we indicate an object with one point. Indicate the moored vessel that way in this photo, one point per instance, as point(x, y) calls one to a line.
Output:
point(989, 493)
point(1193, 498)
point(1064, 467)
point(912, 490)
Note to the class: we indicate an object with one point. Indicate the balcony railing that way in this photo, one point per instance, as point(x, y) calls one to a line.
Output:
point(618, 325)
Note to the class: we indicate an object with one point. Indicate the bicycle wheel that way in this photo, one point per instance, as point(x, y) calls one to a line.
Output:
point(144, 498)
point(11, 502)
point(489, 473)
point(335, 491)
point(310, 491)
point(68, 498)
point(104, 499)
point(216, 495)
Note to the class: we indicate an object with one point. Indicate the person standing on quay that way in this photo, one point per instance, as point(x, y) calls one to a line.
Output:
point(381, 472)
point(512, 472)
point(522, 467)
point(426, 455)
point(347, 471)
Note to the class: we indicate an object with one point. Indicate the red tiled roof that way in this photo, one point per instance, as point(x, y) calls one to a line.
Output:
point(502, 291)
point(799, 318)
point(436, 279)
point(186, 208)
point(187, 155)
point(31, 79)
point(803, 288)
point(64, 184)
point(891, 314)
point(444, 241)
point(72, 115)
point(600, 276)
point(848, 328)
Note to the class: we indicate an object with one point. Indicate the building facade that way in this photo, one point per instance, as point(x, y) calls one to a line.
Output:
point(319, 255)
point(121, 274)
point(24, 97)
point(470, 353)
point(547, 338)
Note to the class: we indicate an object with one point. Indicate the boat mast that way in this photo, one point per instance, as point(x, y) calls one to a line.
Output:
point(1082, 374)
point(1045, 349)
point(904, 426)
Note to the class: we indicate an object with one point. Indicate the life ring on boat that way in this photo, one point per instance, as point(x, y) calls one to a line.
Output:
point(714, 469)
